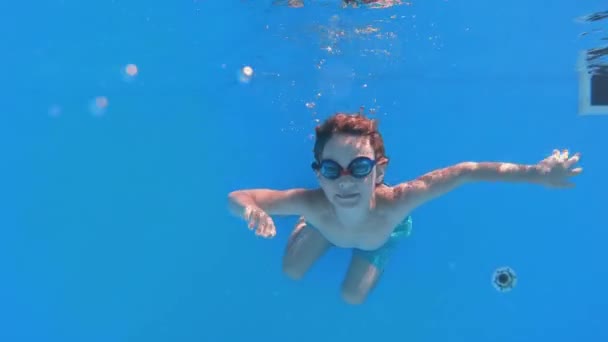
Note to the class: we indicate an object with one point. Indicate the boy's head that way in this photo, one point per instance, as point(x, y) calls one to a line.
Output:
point(350, 159)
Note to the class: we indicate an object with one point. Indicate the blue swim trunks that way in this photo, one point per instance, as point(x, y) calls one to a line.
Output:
point(380, 256)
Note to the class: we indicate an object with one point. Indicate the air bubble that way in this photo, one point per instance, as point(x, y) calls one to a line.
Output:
point(245, 74)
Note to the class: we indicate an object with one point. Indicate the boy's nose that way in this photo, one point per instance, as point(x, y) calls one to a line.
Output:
point(345, 182)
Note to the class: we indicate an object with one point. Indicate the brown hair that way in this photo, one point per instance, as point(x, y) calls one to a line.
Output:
point(352, 124)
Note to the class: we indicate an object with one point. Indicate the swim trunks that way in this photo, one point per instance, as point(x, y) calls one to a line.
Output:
point(380, 256)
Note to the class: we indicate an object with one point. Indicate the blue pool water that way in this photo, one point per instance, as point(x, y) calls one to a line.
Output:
point(114, 225)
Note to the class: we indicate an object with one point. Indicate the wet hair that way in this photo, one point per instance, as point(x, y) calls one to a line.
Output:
point(351, 124)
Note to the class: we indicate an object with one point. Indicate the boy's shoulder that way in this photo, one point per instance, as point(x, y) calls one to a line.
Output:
point(388, 200)
point(313, 199)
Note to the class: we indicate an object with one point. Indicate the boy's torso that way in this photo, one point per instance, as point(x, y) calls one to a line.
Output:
point(368, 234)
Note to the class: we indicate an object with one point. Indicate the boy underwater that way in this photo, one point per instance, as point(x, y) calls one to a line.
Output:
point(352, 3)
point(355, 209)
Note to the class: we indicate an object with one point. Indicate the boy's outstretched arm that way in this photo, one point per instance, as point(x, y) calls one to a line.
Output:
point(553, 171)
point(273, 202)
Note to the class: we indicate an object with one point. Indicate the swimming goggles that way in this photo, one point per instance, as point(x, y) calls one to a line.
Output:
point(359, 167)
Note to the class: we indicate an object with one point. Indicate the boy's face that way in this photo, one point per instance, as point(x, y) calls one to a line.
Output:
point(348, 191)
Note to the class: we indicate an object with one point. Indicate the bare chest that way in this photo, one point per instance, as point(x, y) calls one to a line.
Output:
point(368, 235)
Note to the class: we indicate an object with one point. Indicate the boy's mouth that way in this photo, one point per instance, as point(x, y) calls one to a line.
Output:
point(347, 196)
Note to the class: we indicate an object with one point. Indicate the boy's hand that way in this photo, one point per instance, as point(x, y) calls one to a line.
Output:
point(259, 220)
point(295, 3)
point(556, 169)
